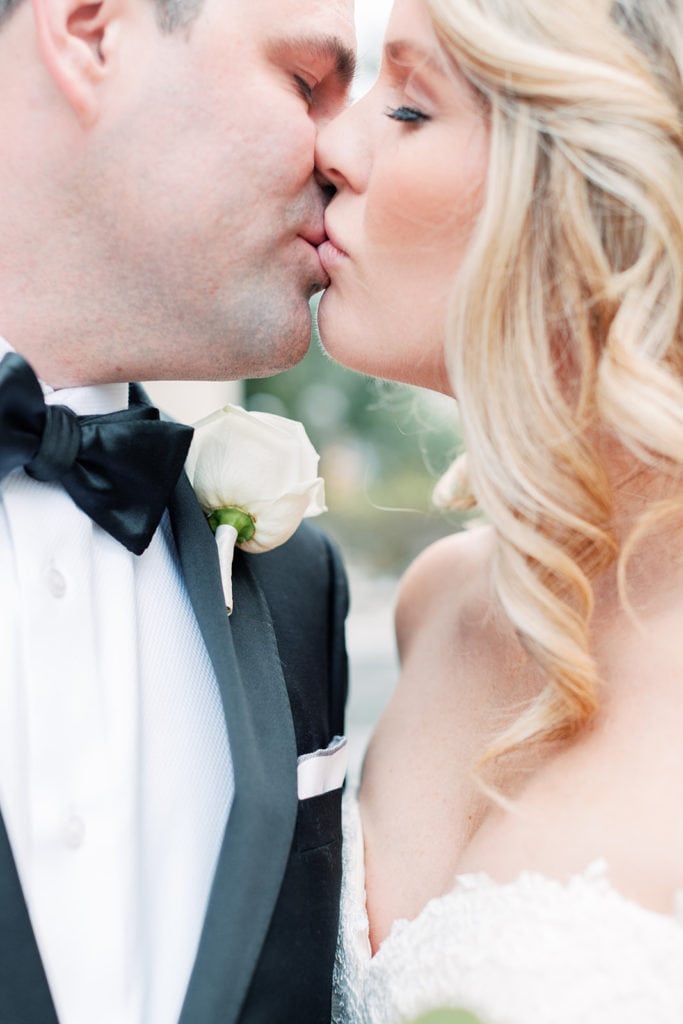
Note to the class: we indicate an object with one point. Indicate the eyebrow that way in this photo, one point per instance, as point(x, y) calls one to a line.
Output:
point(406, 54)
point(326, 49)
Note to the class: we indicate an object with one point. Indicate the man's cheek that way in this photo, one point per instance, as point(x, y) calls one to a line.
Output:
point(291, 151)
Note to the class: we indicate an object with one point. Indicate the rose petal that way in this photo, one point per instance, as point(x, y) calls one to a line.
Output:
point(276, 521)
point(238, 457)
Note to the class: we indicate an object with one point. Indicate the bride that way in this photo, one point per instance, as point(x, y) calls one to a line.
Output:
point(508, 227)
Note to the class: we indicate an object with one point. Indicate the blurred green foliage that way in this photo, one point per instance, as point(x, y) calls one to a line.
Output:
point(382, 446)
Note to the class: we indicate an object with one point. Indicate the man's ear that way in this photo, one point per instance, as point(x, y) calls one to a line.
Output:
point(70, 35)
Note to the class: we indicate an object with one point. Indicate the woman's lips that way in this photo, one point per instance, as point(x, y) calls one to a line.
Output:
point(330, 256)
point(330, 252)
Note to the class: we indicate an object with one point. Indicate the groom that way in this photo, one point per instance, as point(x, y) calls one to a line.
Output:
point(159, 218)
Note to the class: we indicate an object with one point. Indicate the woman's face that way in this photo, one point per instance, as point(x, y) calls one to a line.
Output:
point(408, 162)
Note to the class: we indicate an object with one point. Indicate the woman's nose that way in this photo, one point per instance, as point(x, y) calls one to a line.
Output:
point(342, 151)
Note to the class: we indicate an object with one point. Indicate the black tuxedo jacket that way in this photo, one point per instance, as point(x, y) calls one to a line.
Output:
point(267, 946)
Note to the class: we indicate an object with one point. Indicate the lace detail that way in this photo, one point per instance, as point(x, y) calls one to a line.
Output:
point(534, 951)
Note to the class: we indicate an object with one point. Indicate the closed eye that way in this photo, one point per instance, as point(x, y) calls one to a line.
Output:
point(305, 89)
point(408, 115)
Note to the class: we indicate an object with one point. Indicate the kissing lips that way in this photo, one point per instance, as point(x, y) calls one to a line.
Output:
point(330, 256)
point(320, 279)
point(330, 251)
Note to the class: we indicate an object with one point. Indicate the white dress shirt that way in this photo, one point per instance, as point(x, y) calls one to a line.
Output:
point(115, 773)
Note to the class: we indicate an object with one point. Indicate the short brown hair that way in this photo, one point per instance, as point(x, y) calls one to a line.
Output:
point(171, 14)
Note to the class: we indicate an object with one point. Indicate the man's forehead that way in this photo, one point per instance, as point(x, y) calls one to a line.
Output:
point(324, 28)
point(321, 29)
point(325, 15)
point(319, 8)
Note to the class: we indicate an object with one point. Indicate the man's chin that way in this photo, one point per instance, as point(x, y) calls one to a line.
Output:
point(278, 343)
point(281, 361)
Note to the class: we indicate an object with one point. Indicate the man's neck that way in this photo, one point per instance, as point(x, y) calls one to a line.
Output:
point(84, 399)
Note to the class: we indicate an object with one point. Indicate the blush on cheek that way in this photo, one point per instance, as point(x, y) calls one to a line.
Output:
point(429, 198)
point(409, 216)
point(400, 214)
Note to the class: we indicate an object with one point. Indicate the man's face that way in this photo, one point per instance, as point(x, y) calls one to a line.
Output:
point(201, 176)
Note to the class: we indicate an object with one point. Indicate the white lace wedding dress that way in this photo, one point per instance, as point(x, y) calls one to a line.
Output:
point(534, 951)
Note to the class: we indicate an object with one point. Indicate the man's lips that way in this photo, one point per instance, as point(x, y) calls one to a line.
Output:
point(314, 238)
point(315, 234)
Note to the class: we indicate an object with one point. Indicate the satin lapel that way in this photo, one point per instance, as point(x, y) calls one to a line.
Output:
point(24, 992)
point(258, 837)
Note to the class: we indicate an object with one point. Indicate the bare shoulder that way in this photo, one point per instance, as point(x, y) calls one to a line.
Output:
point(449, 577)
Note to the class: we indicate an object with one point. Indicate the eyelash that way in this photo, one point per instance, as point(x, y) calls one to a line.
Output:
point(407, 115)
point(305, 89)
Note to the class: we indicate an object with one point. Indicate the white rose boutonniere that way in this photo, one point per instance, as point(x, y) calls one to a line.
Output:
point(256, 477)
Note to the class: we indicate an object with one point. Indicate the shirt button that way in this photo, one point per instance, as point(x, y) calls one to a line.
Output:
point(74, 832)
point(56, 583)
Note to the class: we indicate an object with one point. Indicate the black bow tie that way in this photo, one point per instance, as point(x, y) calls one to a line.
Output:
point(120, 468)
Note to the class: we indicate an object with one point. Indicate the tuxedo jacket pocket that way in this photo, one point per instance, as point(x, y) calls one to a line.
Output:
point(322, 770)
point(318, 821)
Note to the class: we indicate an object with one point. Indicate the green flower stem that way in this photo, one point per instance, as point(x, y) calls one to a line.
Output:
point(243, 522)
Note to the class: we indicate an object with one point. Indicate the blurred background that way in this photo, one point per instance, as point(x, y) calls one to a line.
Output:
point(382, 447)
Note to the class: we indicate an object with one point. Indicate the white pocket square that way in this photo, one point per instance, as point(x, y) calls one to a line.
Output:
point(323, 770)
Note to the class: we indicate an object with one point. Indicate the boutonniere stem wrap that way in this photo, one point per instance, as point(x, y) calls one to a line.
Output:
point(256, 477)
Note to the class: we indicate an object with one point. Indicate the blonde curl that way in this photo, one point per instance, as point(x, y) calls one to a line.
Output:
point(566, 321)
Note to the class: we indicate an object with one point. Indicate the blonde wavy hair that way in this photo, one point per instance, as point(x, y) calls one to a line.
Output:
point(566, 326)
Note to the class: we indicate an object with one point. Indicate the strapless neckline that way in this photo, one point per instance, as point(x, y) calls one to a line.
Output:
point(481, 934)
